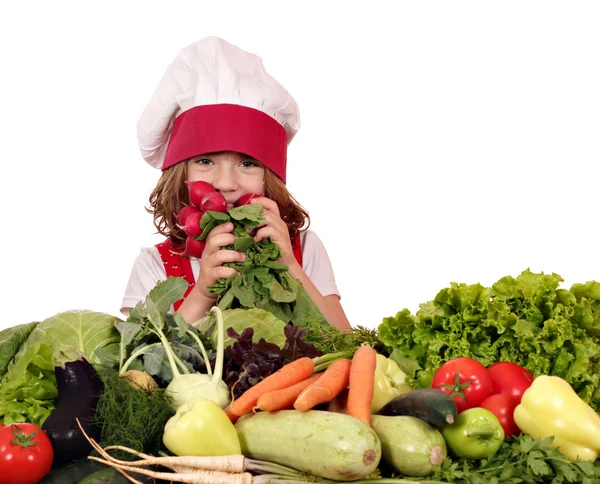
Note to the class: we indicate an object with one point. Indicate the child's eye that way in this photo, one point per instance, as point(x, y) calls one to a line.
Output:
point(203, 161)
point(248, 163)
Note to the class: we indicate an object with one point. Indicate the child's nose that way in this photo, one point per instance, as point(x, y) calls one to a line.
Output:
point(225, 181)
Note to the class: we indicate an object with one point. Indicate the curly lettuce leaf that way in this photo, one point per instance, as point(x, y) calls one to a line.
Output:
point(28, 390)
point(529, 320)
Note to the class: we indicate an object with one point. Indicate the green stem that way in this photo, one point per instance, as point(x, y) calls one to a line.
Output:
point(135, 354)
point(322, 362)
point(218, 374)
point(172, 357)
point(203, 350)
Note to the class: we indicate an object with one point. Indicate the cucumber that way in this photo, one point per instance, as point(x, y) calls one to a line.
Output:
point(410, 445)
point(429, 404)
point(325, 444)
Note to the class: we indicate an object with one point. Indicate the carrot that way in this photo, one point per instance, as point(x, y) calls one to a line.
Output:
point(284, 398)
point(231, 416)
point(288, 375)
point(362, 379)
point(332, 382)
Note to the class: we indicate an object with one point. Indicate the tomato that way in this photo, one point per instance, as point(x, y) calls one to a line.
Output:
point(25, 454)
point(510, 379)
point(503, 407)
point(466, 380)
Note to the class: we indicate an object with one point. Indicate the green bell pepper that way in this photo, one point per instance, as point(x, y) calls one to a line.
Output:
point(476, 434)
point(201, 427)
point(389, 383)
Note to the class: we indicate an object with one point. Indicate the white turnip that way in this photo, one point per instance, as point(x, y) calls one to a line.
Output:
point(214, 201)
point(197, 191)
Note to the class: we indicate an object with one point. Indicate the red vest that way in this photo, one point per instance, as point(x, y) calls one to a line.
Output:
point(179, 266)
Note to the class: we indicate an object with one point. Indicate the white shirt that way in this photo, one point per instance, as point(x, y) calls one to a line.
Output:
point(148, 269)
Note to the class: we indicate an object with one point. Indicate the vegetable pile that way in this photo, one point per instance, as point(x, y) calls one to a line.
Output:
point(481, 385)
point(528, 320)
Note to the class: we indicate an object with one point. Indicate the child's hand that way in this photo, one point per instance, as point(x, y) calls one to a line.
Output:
point(213, 258)
point(275, 229)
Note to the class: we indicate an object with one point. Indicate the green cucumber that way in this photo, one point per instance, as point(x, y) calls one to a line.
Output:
point(429, 404)
point(325, 444)
point(410, 445)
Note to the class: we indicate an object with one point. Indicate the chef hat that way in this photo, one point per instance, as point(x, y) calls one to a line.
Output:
point(216, 97)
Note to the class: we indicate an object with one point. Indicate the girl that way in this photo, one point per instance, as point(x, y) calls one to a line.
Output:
point(217, 116)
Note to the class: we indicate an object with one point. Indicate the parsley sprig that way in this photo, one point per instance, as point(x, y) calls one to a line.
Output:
point(520, 460)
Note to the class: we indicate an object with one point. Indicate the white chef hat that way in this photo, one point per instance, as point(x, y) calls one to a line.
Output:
point(216, 97)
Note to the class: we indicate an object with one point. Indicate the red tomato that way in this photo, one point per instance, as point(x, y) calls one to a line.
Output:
point(503, 407)
point(25, 454)
point(510, 379)
point(466, 380)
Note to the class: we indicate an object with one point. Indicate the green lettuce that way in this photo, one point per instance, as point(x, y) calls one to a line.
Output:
point(11, 340)
point(28, 389)
point(528, 319)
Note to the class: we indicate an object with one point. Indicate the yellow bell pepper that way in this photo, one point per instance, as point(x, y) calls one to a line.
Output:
point(550, 407)
point(201, 427)
point(389, 383)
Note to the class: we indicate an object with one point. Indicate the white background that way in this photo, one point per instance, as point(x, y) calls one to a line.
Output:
point(440, 141)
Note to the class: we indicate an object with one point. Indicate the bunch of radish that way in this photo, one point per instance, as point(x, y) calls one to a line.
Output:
point(203, 197)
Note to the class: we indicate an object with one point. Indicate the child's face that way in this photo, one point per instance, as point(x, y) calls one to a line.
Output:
point(231, 173)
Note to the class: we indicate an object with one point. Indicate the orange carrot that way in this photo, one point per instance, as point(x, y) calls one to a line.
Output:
point(231, 416)
point(284, 398)
point(288, 375)
point(362, 379)
point(332, 382)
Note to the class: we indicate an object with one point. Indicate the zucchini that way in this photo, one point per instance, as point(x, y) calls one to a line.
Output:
point(325, 444)
point(410, 445)
point(429, 404)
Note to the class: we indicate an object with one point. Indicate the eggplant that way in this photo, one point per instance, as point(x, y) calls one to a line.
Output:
point(79, 390)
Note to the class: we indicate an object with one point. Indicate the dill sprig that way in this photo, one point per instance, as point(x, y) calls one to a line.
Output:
point(131, 416)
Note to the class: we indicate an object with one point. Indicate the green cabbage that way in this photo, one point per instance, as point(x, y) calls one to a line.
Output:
point(264, 323)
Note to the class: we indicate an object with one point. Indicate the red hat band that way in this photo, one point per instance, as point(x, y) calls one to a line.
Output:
point(228, 127)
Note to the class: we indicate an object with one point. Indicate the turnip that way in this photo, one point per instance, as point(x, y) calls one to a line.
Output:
point(185, 212)
point(192, 224)
point(245, 199)
point(193, 247)
point(187, 386)
point(197, 191)
point(214, 201)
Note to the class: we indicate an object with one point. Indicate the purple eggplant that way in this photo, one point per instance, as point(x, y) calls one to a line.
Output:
point(79, 389)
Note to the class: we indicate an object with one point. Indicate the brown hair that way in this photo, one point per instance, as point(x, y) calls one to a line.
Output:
point(171, 194)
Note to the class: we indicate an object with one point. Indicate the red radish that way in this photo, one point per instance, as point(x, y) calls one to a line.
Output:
point(194, 248)
point(214, 201)
point(184, 213)
point(198, 190)
point(245, 199)
point(192, 224)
